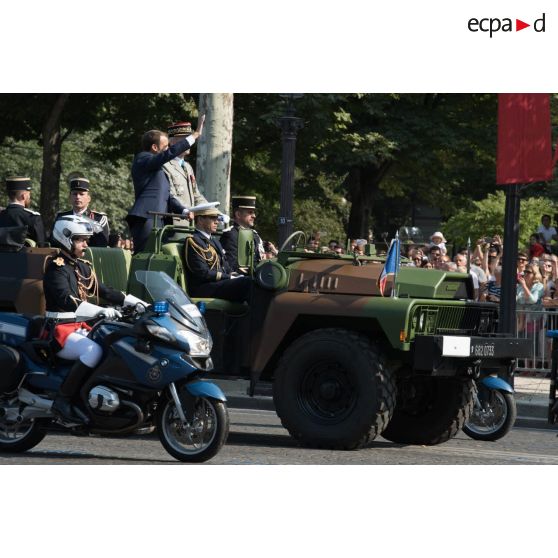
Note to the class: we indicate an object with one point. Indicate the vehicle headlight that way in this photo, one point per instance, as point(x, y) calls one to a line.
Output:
point(199, 346)
point(421, 321)
point(160, 333)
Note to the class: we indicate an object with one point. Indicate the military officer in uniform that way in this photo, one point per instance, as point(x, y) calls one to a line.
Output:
point(183, 185)
point(80, 200)
point(207, 272)
point(244, 215)
point(18, 213)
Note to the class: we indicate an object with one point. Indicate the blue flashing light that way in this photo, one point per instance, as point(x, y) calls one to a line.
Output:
point(161, 307)
point(201, 307)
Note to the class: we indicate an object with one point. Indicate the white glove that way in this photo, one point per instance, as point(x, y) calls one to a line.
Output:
point(110, 313)
point(86, 311)
point(185, 212)
point(131, 300)
point(225, 219)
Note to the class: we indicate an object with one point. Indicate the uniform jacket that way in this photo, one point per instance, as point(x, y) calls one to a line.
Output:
point(229, 241)
point(205, 261)
point(61, 284)
point(16, 215)
point(98, 239)
point(151, 185)
point(183, 185)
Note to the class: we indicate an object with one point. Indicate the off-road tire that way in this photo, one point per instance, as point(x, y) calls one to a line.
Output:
point(332, 389)
point(435, 415)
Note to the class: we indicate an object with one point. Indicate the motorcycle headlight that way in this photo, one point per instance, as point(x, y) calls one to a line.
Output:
point(199, 346)
point(160, 332)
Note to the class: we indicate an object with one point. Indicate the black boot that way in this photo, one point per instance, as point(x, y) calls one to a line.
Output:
point(62, 403)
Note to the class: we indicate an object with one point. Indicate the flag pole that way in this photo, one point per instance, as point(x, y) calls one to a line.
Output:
point(397, 260)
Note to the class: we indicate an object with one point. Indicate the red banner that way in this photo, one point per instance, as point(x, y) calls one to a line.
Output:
point(524, 144)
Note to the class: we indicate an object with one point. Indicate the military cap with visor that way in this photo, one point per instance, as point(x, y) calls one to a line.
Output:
point(179, 129)
point(208, 212)
point(79, 184)
point(243, 202)
point(18, 183)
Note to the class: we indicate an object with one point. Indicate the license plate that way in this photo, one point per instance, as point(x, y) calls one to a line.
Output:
point(482, 350)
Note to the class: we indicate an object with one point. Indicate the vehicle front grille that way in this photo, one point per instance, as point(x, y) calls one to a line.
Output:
point(453, 320)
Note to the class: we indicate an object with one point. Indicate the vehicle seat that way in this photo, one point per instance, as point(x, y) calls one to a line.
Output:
point(112, 265)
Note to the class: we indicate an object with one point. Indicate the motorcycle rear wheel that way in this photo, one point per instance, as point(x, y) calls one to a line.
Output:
point(20, 437)
point(202, 438)
point(492, 419)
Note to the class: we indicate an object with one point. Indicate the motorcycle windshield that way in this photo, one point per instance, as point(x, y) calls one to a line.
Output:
point(161, 287)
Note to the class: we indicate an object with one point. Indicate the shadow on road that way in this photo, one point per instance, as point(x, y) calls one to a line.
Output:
point(31, 456)
point(285, 441)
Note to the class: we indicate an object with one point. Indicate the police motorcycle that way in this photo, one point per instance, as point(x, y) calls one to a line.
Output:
point(150, 375)
point(494, 409)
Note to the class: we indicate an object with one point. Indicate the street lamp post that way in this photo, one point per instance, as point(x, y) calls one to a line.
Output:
point(289, 125)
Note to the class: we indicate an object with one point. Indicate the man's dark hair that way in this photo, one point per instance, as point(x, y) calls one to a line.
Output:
point(150, 138)
point(435, 249)
point(545, 215)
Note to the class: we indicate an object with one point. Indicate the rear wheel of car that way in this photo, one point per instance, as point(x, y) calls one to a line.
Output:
point(429, 411)
point(332, 389)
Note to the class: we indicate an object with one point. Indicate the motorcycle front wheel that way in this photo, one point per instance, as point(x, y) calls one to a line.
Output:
point(493, 416)
point(203, 435)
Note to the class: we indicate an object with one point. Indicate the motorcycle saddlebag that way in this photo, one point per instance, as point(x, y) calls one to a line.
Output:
point(11, 369)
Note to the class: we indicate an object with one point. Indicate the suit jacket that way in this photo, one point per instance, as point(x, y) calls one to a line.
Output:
point(61, 282)
point(205, 261)
point(229, 241)
point(15, 215)
point(151, 185)
point(98, 239)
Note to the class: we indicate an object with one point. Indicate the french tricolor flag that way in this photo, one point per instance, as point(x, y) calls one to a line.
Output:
point(391, 267)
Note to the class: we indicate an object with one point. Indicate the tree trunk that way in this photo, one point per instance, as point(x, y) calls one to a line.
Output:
point(50, 176)
point(362, 184)
point(213, 163)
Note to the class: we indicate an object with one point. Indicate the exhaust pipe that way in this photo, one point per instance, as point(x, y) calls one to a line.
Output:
point(34, 400)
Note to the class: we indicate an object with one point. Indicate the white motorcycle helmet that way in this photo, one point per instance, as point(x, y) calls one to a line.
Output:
point(68, 226)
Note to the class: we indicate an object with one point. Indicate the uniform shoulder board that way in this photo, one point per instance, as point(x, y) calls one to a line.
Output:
point(31, 211)
point(100, 217)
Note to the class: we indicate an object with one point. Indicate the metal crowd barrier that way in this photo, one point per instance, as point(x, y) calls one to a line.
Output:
point(532, 323)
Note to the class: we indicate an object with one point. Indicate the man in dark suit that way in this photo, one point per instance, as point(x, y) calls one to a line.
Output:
point(208, 274)
point(151, 186)
point(18, 214)
point(80, 200)
point(244, 215)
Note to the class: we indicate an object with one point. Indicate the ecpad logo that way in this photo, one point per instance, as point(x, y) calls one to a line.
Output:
point(492, 25)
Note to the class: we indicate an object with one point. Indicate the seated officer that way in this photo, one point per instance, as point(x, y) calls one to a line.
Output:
point(80, 200)
point(244, 215)
point(18, 214)
point(208, 274)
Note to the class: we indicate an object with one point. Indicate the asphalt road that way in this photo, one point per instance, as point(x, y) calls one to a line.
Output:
point(257, 438)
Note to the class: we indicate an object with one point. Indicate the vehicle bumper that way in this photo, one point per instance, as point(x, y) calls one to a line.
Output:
point(440, 354)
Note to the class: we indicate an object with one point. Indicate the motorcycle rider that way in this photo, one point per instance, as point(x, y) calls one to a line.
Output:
point(68, 282)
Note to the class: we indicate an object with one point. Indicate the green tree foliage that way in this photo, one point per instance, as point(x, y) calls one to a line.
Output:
point(485, 218)
point(111, 184)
